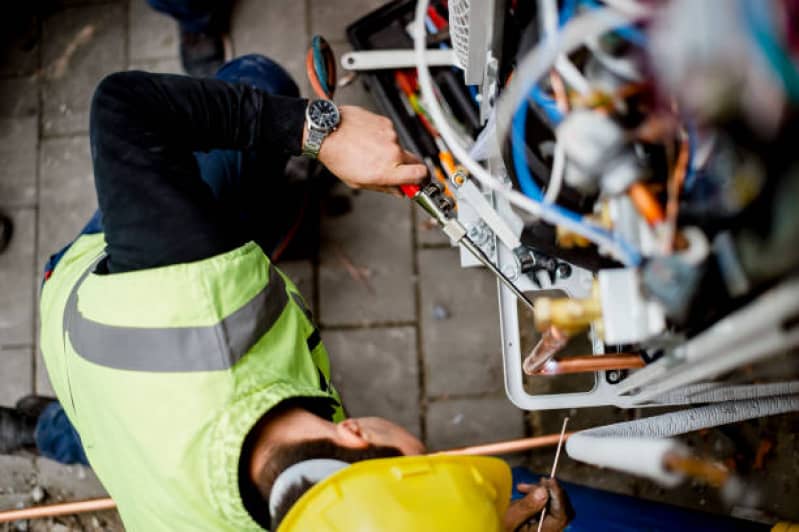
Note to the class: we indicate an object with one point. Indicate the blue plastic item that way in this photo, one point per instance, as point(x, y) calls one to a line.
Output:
point(598, 510)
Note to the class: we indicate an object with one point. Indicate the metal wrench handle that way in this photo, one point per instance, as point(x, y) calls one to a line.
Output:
point(475, 250)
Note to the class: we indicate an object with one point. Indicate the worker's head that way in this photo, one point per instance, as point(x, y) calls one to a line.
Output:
point(292, 434)
point(435, 493)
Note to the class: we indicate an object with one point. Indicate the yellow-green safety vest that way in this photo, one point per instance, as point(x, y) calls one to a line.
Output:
point(164, 371)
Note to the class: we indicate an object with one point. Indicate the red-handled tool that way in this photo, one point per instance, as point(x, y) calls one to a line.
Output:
point(410, 190)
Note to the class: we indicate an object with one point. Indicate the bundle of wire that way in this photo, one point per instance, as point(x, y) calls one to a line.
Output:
point(525, 80)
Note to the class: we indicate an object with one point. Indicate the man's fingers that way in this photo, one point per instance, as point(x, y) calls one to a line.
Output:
point(409, 157)
point(556, 498)
point(522, 510)
point(406, 174)
point(523, 487)
point(559, 512)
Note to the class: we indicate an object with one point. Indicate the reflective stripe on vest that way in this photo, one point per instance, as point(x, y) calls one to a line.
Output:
point(176, 349)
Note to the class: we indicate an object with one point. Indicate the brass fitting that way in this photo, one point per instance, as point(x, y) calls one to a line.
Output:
point(571, 316)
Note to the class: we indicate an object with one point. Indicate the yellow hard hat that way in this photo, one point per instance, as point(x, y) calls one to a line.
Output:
point(410, 493)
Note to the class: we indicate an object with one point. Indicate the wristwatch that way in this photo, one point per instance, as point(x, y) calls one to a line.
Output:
point(321, 119)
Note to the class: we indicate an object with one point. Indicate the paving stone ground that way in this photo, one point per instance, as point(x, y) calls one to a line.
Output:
point(413, 337)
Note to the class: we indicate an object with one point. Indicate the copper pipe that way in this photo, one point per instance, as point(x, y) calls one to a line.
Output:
point(96, 505)
point(588, 363)
point(54, 510)
point(552, 340)
point(507, 447)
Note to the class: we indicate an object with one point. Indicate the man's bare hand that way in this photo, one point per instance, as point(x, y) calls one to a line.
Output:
point(522, 515)
point(364, 153)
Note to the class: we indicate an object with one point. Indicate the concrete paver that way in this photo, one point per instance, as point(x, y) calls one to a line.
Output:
point(66, 98)
point(17, 374)
point(366, 270)
point(19, 138)
point(41, 382)
point(18, 476)
point(375, 371)
point(17, 282)
point(151, 35)
point(466, 341)
point(331, 19)
point(275, 29)
point(19, 97)
point(169, 65)
point(458, 422)
point(67, 198)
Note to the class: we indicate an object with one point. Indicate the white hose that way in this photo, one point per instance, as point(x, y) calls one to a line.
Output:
point(576, 33)
point(556, 177)
point(631, 446)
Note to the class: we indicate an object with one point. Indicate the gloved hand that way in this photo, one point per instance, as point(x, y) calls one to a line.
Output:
point(522, 515)
point(364, 153)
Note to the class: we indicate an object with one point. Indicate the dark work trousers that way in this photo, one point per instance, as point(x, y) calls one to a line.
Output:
point(237, 180)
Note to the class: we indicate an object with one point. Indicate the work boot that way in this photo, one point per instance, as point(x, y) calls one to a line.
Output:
point(16, 430)
point(202, 54)
point(6, 228)
point(33, 405)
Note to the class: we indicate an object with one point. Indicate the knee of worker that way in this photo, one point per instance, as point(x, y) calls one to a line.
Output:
point(56, 438)
point(259, 72)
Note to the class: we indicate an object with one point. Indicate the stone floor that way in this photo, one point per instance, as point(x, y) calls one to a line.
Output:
point(392, 355)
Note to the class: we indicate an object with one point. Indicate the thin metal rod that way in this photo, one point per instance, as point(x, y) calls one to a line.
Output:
point(55, 510)
point(554, 468)
point(509, 446)
point(589, 363)
point(475, 250)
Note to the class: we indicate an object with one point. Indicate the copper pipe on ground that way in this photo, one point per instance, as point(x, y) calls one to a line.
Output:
point(552, 340)
point(589, 363)
point(507, 447)
point(96, 505)
point(55, 510)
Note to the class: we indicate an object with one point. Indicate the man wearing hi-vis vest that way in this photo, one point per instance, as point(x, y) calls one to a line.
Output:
point(188, 363)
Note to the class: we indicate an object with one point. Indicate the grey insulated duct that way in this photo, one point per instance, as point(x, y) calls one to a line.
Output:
point(639, 447)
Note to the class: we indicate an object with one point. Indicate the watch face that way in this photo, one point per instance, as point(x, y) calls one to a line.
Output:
point(323, 114)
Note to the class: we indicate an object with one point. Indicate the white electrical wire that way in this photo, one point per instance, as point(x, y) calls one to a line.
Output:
point(572, 75)
point(536, 64)
point(556, 177)
point(549, 28)
point(632, 8)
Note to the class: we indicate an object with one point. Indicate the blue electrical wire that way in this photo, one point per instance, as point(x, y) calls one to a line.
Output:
point(531, 189)
point(690, 172)
point(547, 104)
point(518, 144)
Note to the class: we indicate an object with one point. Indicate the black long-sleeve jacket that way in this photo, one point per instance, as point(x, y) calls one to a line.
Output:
point(144, 131)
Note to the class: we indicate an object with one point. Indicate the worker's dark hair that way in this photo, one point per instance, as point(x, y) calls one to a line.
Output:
point(287, 455)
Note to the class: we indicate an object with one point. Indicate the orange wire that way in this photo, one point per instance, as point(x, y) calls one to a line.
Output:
point(311, 72)
point(674, 187)
point(646, 203)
